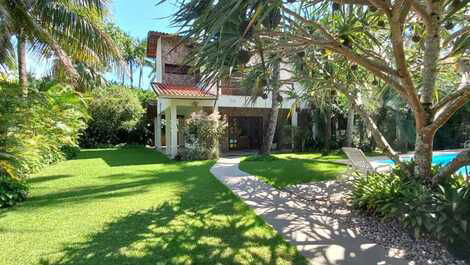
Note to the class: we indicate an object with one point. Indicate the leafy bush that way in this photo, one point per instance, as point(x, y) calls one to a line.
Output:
point(202, 134)
point(375, 191)
point(442, 211)
point(12, 191)
point(70, 151)
point(34, 128)
point(114, 111)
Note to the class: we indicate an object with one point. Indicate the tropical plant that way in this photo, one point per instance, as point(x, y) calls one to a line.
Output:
point(407, 45)
point(34, 129)
point(114, 110)
point(12, 191)
point(441, 211)
point(202, 133)
point(69, 31)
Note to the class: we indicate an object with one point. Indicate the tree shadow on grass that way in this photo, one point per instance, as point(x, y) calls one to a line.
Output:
point(42, 179)
point(125, 157)
point(138, 183)
point(290, 170)
point(215, 231)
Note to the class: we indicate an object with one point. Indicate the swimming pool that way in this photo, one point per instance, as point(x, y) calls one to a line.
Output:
point(437, 159)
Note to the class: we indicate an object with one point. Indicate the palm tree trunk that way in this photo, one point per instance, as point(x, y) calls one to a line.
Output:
point(350, 127)
point(272, 122)
point(22, 71)
point(131, 68)
point(141, 74)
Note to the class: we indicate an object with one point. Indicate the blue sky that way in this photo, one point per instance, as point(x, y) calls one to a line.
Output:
point(140, 16)
point(136, 17)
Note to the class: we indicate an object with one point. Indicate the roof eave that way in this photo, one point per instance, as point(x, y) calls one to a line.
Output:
point(208, 97)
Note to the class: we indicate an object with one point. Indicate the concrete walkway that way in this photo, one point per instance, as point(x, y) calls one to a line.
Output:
point(312, 226)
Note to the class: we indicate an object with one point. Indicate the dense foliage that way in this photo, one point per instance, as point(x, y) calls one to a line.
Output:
point(202, 133)
point(35, 130)
point(68, 32)
point(442, 212)
point(12, 191)
point(115, 112)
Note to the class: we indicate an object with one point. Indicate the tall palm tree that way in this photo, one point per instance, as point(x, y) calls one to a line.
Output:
point(67, 30)
point(229, 39)
point(140, 52)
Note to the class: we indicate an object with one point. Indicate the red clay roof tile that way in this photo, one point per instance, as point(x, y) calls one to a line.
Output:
point(170, 90)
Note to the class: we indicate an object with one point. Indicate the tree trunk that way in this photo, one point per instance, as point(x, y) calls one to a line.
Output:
point(423, 154)
point(22, 71)
point(131, 75)
point(462, 159)
point(141, 74)
point(327, 120)
point(350, 127)
point(272, 122)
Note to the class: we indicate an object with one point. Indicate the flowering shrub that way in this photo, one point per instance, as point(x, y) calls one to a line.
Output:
point(202, 134)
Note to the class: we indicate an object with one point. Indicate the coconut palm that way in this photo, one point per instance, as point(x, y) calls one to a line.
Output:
point(67, 30)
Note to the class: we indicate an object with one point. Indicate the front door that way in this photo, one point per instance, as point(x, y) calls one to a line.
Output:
point(245, 133)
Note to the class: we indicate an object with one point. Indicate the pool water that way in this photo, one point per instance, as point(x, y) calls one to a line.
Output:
point(437, 159)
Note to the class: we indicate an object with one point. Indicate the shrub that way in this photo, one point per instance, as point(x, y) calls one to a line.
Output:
point(114, 111)
point(202, 134)
point(70, 151)
point(34, 128)
point(441, 211)
point(374, 192)
point(12, 191)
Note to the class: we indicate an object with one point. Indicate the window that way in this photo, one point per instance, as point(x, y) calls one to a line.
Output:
point(176, 69)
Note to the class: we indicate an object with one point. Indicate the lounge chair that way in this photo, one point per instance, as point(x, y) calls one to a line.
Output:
point(466, 144)
point(358, 162)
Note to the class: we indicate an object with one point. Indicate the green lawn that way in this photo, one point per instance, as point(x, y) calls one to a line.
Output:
point(133, 206)
point(281, 170)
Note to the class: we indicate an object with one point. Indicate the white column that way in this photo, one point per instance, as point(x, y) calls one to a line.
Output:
point(174, 131)
point(158, 131)
point(294, 123)
point(167, 131)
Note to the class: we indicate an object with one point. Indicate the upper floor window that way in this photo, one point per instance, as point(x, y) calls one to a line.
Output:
point(176, 69)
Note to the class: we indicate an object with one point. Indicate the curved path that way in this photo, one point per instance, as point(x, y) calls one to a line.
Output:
point(312, 226)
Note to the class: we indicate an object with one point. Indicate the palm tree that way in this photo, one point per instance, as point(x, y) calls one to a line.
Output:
point(140, 52)
point(68, 30)
point(227, 42)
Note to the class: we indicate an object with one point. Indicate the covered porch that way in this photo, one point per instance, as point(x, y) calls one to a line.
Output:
point(174, 104)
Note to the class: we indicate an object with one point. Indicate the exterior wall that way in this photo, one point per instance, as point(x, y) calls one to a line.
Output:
point(244, 102)
point(255, 112)
point(173, 52)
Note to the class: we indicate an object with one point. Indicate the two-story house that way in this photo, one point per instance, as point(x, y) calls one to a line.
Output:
point(178, 95)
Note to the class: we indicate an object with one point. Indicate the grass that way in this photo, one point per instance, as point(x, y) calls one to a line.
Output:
point(133, 206)
point(281, 170)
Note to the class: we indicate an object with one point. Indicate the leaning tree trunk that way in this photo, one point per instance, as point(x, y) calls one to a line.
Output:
point(327, 120)
point(350, 127)
point(22, 72)
point(272, 122)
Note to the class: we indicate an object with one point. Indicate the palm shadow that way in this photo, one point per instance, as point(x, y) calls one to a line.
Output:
point(181, 233)
point(42, 179)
